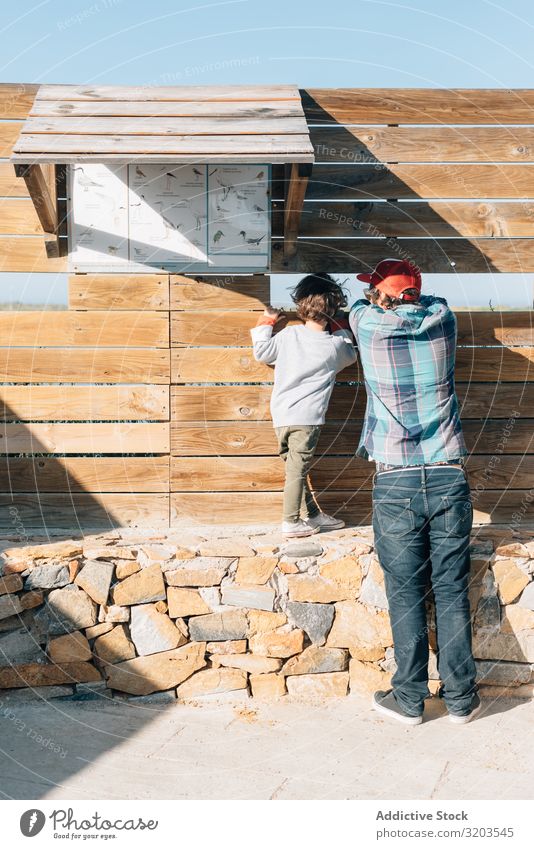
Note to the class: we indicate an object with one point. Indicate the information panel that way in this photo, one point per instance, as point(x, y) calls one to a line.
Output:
point(182, 217)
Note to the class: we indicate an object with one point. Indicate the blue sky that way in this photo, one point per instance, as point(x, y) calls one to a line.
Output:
point(353, 43)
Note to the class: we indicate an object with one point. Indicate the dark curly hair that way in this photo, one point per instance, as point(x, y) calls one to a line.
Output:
point(318, 297)
point(388, 302)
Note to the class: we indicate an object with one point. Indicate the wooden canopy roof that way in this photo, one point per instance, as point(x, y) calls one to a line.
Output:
point(69, 123)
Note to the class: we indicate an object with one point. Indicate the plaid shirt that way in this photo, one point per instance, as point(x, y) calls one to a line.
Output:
point(407, 355)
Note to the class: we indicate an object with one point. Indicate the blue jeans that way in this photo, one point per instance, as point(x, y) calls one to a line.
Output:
point(422, 520)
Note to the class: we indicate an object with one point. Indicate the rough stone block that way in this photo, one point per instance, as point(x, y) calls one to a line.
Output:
point(314, 619)
point(326, 685)
point(70, 609)
point(113, 613)
point(211, 681)
point(260, 621)
point(20, 646)
point(184, 601)
point(199, 572)
point(356, 625)
point(69, 647)
point(152, 631)
point(145, 586)
point(95, 578)
point(366, 678)
point(527, 597)
point(373, 591)
point(10, 584)
point(114, 646)
point(282, 642)
point(45, 674)
point(516, 618)
point(315, 588)
point(253, 597)
point(511, 581)
point(229, 625)
point(125, 568)
point(255, 570)
point(151, 673)
point(31, 599)
point(47, 577)
point(316, 659)
point(268, 686)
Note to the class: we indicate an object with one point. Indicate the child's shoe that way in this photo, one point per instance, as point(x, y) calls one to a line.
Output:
point(298, 529)
point(322, 522)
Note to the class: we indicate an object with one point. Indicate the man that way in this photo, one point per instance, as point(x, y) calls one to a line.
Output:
point(422, 513)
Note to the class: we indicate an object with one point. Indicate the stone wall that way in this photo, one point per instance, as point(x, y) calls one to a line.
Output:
point(211, 616)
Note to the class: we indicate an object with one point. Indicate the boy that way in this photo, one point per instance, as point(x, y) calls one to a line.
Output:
point(307, 358)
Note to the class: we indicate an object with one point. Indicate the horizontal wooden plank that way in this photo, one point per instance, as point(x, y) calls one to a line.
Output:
point(169, 93)
point(266, 474)
point(233, 328)
point(249, 508)
point(46, 512)
point(435, 181)
point(10, 185)
point(168, 108)
point(214, 365)
point(422, 144)
point(84, 474)
point(86, 438)
point(18, 217)
point(85, 365)
point(237, 365)
point(245, 293)
point(119, 292)
point(253, 438)
point(497, 400)
point(260, 474)
point(203, 439)
point(140, 329)
point(509, 328)
point(9, 132)
point(70, 147)
point(212, 328)
point(418, 105)
point(83, 403)
point(445, 219)
point(28, 253)
point(16, 99)
point(491, 364)
point(240, 508)
point(280, 157)
point(437, 256)
point(259, 124)
point(251, 403)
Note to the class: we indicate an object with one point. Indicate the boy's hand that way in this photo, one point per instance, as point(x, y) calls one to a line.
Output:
point(271, 312)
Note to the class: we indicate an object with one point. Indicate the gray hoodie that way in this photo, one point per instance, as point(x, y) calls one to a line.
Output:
point(306, 363)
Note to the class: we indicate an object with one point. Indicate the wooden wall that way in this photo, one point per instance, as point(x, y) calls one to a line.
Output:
point(224, 465)
point(142, 404)
point(85, 417)
point(448, 195)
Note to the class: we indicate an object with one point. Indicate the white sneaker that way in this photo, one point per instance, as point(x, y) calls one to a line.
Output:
point(464, 718)
point(325, 523)
point(298, 529)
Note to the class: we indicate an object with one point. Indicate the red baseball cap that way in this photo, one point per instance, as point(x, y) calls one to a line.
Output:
point(393, 276)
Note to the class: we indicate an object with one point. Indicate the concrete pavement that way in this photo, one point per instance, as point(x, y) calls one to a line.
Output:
point(103, 749)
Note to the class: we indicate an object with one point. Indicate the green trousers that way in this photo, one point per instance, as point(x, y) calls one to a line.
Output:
point(296, 446)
